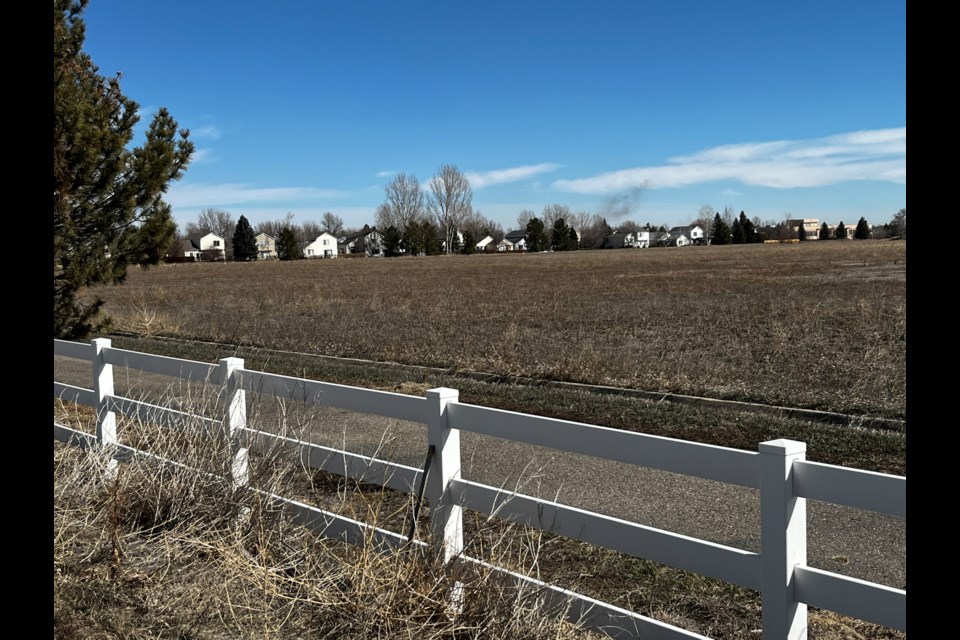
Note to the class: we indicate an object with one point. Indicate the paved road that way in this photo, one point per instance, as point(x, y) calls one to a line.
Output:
point(853, 542)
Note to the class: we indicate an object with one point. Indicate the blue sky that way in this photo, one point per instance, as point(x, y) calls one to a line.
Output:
point(307, 107)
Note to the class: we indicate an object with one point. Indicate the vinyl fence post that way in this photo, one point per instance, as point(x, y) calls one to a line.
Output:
point(783, 540)
point(106, 419)
point(446, 517)
point(235, 419)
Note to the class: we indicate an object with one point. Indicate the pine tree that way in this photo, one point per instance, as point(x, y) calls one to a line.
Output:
point(737, 232)
point(108, 211)
point(469, 243)
point(433, 238)
point(536, 237)
point(288, 247)
point(573, 243)
point(824, 232)
point(840, 233)
point(801, 233)
point(561, 235)
point(721, 232)
point(862, 232)
point(749, 229)
point(392, 242)
point(244, 241)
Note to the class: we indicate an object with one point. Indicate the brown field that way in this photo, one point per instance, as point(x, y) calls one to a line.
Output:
point(817, 325)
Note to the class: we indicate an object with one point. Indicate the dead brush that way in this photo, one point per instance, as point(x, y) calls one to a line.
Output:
point(170, 550)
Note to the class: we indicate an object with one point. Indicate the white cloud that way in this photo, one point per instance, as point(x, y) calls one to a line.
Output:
point(210, 195)
point(202, 156)
point(730, 192)
point(207, 131)
point(860, 155)
point(386, 174)
point(515, 174)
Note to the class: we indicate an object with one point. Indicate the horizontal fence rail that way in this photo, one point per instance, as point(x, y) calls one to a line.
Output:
point(683, 552)
point(67, 349)
point(851, 487)
point(733, 466)
point(70, 393)
point(850, 596)
point(380, 403)
point(778, 470)
point(163, 365)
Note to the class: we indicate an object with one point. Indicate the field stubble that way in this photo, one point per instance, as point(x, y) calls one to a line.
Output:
point(818, 325)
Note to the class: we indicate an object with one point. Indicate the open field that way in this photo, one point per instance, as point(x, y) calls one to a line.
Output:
point(818, 325)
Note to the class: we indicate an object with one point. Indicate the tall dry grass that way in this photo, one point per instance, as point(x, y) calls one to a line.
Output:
point(161, 551)
point(818, 325)
point(155, 551)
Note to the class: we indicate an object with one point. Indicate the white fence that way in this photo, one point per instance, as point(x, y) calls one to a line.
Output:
point(778, 470)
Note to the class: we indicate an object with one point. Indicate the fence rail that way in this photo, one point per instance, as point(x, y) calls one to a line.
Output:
point(778, 470)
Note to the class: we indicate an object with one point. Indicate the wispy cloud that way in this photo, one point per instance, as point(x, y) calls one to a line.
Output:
point(515, 174)
point(730, 192)
point(784, 164)
point(386, 174)
point(203, 156)
point(209, 195)
point(207, 131)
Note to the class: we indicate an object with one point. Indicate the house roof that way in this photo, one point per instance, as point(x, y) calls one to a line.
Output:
point(190, 245)
point(515, 236)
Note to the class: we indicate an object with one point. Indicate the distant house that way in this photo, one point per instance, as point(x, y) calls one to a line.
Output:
point(676, 239)
point(266, 246)
point(627, 240)
point(810, 226)
point(617, 240)
point(368, 242)
point(208, 247)
point(693, 235)
point(325, 246)
point(191, 249)
point(505, 245)
point(483, 244)
point(517, 240)
point(659, 239)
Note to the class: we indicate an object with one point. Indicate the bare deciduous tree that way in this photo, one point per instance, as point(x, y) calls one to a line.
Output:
point(331, 224)
point(273, 227)
point(404, 200)
point(217, 221)
point(553, 212)
point(309, 231)
point(705, 219)
point(450, 201)
point(524, 218)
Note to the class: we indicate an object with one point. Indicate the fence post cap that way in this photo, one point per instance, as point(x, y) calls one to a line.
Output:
point(783, 447)
point(443, 393)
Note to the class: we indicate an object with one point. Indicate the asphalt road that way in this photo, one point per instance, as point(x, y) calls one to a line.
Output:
point(852, 542)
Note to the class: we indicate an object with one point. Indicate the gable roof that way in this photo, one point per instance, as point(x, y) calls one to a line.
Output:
point(514, 236)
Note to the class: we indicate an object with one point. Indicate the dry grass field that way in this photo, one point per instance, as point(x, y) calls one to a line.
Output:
point(150, 555)
point(818, 325)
